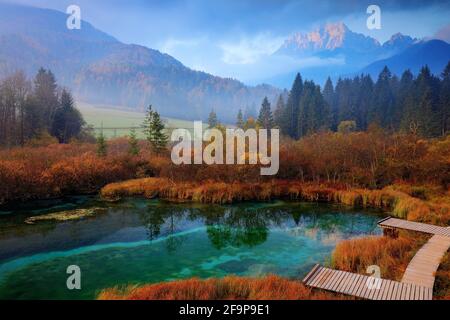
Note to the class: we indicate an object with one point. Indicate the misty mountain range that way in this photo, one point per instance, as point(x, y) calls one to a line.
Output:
point(102, 70)
point(350, 53)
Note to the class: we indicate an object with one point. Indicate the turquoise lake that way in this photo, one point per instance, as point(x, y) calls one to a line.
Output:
point(139, 241)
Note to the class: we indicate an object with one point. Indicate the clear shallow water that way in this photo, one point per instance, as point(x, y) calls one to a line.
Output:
point(146, 241)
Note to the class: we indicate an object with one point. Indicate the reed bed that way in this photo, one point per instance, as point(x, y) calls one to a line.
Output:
point(391, 199)
point(270, 287)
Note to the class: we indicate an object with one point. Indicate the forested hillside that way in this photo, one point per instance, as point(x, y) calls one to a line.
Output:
point(419, 105)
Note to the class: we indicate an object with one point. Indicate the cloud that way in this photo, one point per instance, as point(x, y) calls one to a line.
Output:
point(443, 33)
point(250, 50)
point(172, 45)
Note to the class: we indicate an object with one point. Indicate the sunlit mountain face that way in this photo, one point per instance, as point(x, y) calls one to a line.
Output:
point(341, 50)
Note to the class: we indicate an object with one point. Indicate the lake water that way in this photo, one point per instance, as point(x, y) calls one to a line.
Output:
point(141, 241)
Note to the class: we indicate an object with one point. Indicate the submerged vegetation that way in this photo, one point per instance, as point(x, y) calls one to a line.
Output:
point(64, 215)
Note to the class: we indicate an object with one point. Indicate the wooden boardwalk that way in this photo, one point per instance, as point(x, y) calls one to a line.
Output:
point(422, 268)
point(393, 223)
point(365, 287)
point(417, 282)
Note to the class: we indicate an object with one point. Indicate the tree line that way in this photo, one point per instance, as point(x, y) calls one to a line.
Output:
point(37, 108)
point(418, 105)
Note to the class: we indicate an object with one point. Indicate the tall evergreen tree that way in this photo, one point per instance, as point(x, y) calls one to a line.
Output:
point(293, 107)
point(240, 120)
point(67, 121)
point(46, 97)
point(382, 107)
point(444, 100)
point(313, 112)
point(329, 97)
point(365, 98)
point(212, 120)
point(102, 147)
point(133, 143)
point(427, 107)
point(265, 118)
point(405, 101)
point(278, 115)
point(154, 130)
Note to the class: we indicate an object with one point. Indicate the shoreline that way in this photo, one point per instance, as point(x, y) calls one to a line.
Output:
point(394, 199)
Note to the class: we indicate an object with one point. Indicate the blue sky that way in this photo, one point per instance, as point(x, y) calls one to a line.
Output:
point(232, 37)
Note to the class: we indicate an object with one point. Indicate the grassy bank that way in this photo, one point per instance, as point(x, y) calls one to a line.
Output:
point(391, 255)
point(401, 201)
point(229, 288)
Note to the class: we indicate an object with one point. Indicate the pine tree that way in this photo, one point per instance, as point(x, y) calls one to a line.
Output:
point(46, 97)
point(278, 114)
point(147, 122)
point(364, 101)
point(160, 139)
point(444, 100)
point(265, 118)
point(67, 121)
point(329, 97)
point(102, 147)
point(405, 101)
point(133, 143)
point(427, 115)
point(154, 130)
point(212, 120)
point(291, 115)
point(382, 107)
point(240, 120)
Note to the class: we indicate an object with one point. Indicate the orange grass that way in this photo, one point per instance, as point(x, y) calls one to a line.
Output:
point(391, 255)
point(230, 288)
point(442, 283)
point(391, 199)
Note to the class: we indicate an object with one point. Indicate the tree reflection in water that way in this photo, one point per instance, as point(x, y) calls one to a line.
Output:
point(235, 226)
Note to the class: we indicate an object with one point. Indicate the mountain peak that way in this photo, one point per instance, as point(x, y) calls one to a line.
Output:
point(400, 37)
point(398, 43)
point(329, 37)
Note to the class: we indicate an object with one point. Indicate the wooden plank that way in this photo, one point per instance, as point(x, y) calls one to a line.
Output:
point(365, 291)
point(372, 293)
point(332, 280)
point(358, 285)
point(343, 282)
point(311, 273)
point(362, 287)
point(338, 280)
point(319, 274)
point(399, 292)
point(352, 285)
point(348, 286)
point(381, 289)
point(388, 286)
point(325, 278)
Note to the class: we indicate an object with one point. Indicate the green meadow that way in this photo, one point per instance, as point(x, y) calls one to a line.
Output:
point(117, 123)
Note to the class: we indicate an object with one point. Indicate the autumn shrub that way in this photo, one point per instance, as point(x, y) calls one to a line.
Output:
point(357, 165)
point(392, 255)
point(442, 282)
point(230, 288)
point(61, 169)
